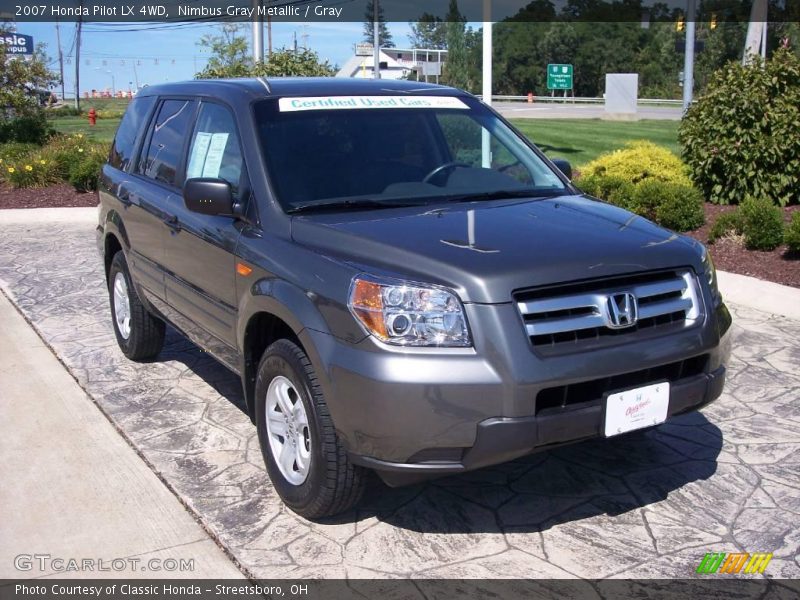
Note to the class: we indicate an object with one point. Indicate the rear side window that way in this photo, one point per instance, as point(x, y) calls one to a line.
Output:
point(132, 123)
point(170, 129)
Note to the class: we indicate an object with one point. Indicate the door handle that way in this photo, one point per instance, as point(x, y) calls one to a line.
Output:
point(172, 222)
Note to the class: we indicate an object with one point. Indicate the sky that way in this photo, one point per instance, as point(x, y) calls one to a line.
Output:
point(155, 55)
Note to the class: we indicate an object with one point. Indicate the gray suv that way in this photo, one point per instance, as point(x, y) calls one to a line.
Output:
point(403, 282)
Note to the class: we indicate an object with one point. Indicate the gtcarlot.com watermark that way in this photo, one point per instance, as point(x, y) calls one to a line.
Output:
point(59, 564)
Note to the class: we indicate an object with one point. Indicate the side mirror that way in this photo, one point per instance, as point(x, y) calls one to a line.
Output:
point(208, 196)
point(563, 166)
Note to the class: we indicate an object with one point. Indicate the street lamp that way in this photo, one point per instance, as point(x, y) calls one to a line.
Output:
point(113, 80)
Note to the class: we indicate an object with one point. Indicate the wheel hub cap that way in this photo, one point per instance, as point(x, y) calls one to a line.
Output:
point(287, 428)
point(122, 306)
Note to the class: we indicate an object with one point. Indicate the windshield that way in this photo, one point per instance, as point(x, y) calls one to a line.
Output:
point(392, 151)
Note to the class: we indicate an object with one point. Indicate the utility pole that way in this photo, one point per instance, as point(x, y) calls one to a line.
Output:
point(78, 63)
point(305, 36)
point(756, 40)
point(486, 142)
point(269, 35)
point(487, 52)
point(376, 40)
point(688, 57)
point(60, 59)
point(258, 34)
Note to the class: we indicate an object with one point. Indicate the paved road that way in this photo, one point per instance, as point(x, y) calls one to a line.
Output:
point(523, 110)
point(646, 505)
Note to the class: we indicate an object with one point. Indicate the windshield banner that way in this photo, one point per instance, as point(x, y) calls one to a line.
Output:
point(362, 102)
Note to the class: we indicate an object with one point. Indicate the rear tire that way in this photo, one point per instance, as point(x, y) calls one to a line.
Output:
point(306, 462)
point(140, 335)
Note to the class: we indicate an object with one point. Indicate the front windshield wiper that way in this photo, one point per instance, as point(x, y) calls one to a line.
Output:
point(348, 204)
point(503, 195)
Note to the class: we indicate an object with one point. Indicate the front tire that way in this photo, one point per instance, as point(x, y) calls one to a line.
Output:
point(305, 460)
point(140, 335)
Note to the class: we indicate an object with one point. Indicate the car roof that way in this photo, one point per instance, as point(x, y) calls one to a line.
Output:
point(297, 86)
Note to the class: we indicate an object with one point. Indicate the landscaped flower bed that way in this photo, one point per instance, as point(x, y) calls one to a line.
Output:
point(74, 159)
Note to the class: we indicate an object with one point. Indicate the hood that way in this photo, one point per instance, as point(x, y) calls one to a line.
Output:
point(487, 250)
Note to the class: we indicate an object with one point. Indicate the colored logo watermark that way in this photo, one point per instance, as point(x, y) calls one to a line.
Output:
point(734, 562)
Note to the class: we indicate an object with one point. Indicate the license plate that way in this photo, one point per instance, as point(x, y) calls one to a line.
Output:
point(636, 408)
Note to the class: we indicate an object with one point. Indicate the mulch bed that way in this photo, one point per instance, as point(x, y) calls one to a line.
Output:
point(778, 266)
point(62, 195)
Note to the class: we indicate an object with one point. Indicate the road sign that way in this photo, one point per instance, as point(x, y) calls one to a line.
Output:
point(559, 77)
point(16, 43)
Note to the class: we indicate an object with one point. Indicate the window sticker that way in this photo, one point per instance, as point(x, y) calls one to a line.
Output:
point(214, 156)
point(198, 157)
point(368, 102)
point(207, 153)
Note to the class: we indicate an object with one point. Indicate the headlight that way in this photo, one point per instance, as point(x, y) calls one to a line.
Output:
point(710, 273)
point(409, 314)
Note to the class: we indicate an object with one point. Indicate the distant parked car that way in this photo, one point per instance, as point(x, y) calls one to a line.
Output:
point(403, 282)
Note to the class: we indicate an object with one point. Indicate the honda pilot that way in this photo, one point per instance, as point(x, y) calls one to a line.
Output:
point(403, 281)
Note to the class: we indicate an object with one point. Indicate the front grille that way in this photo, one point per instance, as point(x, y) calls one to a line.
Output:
point(576, 316)
point(578, 395)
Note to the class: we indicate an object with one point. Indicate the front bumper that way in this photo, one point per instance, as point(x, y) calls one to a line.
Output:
point(501, 439)
point(411, 415)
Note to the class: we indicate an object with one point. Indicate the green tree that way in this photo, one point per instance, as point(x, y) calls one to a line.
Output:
point(22, 118)
point(456, 69)
point(429, 32)
point(20, 79)
point(288, 63)
point(384, 35)
point(229, 53)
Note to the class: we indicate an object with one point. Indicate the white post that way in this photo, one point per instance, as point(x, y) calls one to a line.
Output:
point(755, 41)
point(486, 147)
point(376, 40)
point(688, 57)
point(258, 35)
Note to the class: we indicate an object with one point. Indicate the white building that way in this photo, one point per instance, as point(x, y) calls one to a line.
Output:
point(395, 63)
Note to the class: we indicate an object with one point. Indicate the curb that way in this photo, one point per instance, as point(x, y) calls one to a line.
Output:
point(773, 298)
point(48, 215)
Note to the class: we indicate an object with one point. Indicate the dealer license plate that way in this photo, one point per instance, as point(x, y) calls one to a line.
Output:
point(636, 408)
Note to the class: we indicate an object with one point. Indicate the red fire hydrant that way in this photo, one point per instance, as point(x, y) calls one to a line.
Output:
point(530, 97)
point(92, 117)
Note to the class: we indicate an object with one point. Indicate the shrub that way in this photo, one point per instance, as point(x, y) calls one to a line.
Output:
point(792, 235)
point(64, 111)
point(681, 207)
point(637, 161)
point(673, 205)
point(28, 129)
point(66, 151)
point(611, 188)
point(83, 173)
point(13, 150)
point(30, 171)
point(107, 113)
point(726, 224)
point(742, 137)
point(762, 224)
point(66, 158)
point(758, 220)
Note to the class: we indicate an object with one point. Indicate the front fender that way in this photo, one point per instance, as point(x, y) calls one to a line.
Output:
point(295, 307)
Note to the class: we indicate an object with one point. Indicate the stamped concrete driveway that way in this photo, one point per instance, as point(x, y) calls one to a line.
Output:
point(646, 505)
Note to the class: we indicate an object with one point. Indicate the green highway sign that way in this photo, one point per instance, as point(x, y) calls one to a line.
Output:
point(559, 77)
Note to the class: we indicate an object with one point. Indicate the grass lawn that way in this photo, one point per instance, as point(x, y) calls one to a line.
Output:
point(577, 140)
point(102, 132)
point(582, 140)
